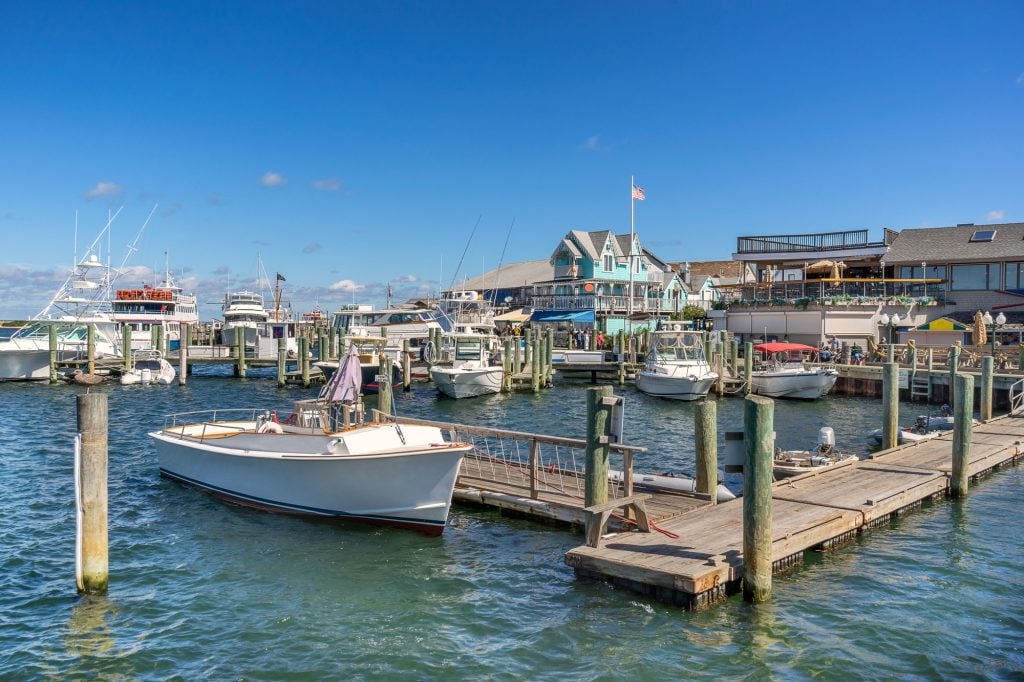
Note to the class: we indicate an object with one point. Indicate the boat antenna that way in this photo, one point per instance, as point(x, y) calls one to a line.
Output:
point(134, 246)
point(501, 261)
point(458, 267)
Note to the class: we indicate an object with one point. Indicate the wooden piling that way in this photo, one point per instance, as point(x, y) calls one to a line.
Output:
point(748, 366)
point(184, 334)
point(406, 366)
point(890, 404)
point(599, 424)
point(954, 365)
point(987, 380)
point(384, 384)
point(517, 361)
point(154, 342)
point(758, 420)
point(549, 358)
point(304, 361)
point(931, 366)
point(706, 432)
point(506, 366)
point(126, 348)
point(734, 354)
point(52, 331)
point(528, 349)
point(282, 362)
point(963, 428)
point(535, 366)
point(90, 347)
point(92, 573)
point(240, 352)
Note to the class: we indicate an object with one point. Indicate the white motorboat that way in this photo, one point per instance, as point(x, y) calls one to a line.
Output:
point(784, 374)
point(149, 367)
point(789, 463)
point(471, 373)
point(675, 367)
point(164, 305)
point(83, 301)
point(925, 427)
point(397, 324)
point(314, 463)
point(669, 482)
point(369, 349)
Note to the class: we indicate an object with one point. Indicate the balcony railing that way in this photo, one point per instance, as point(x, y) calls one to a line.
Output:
point(602, 303)
point(791, 243)
point(846, 292)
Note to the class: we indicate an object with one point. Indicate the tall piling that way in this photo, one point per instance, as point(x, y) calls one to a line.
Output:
point(599, 423)
point(90, 347)
point(184, 336)
point(953, 360)
point(304, 361)
point(706, 432)
point(240, 352)
point(890, 404)
point(748, 366)
point(92, 573)
point(535, 366)
point(987, 380)
point(282, 362)
point(963, 429)
point(506, 366)
point(126, 348)
point(758, 420)
point(406, 366)
point(52, 334)
point(384, 384)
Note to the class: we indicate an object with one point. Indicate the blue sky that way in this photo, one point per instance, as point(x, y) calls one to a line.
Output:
point(354, 144)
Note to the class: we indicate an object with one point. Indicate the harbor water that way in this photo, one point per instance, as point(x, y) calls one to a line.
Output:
point(203, 589)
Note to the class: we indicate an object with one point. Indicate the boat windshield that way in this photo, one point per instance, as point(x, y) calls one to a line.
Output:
point(66, 331)
point(468, 349)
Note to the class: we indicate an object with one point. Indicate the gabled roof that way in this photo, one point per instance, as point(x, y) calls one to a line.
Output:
point(623, 242)
point(509, 276)
point(953, 244)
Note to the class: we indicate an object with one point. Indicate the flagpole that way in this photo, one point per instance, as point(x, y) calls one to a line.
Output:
point(629, 303)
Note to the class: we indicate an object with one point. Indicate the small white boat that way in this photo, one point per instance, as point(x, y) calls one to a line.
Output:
point(675, 367)
point(925, 427)
point(369, 349)
point(784, 374)
point(789, 463)
point(471, 373)
point(669, 482)
point(149, 367)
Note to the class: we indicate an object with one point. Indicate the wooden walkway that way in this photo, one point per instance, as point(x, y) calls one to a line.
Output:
point(814, 511)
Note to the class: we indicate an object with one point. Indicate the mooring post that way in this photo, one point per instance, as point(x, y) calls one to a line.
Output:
point(304, 361)
point(184, 334)
point(90, 347)
point(126, 348)
point(517, 361)
point(549, 358)
point(748, 365)
point(528, 349)
point(535, 366)
point(282, 362)
point(506, 366)
point(406, 366)
point(734, 354)
point(912, 361)
point(954, 365)
point(154, 342)
point(963, 429)
point(720, 382)
point(987, 380)
point(758, 419)
point(92, 574)
point(239, 352)
point(706, 432)
point(52, 331)
point(931, 366)
point(384, 384)
point(599, 422)
point(890, 404)
point(890, 352)
point(541, 342)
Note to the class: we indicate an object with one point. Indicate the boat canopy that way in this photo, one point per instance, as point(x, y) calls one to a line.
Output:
point(562, 316)
point(783, 347)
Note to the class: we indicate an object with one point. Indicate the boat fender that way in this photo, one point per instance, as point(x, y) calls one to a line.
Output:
point(269, 427)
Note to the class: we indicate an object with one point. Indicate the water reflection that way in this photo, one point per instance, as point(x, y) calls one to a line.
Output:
point(89, 629)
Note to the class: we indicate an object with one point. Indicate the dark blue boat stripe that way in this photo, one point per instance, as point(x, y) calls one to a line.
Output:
point(308, 510)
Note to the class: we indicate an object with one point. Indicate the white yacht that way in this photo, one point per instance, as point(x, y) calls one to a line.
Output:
point(675, 367)
point(784, 374)
point(148, 307)
point(397, 324)
point(471, 373)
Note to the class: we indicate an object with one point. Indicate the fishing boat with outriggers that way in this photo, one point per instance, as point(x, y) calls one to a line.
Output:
point(676, 367)
point(321, 460)
point(784, 373)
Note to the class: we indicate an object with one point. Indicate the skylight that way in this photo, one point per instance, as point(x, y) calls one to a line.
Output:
point(983, 235)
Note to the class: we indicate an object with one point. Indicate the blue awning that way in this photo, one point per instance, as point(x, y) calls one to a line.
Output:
point(562, 316)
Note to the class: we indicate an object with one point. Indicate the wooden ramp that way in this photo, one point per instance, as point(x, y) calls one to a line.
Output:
point(814, 511)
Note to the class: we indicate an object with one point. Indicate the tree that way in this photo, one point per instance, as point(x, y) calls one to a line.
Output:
point(694, 312)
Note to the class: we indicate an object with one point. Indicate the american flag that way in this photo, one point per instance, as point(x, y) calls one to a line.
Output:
point(638, 193)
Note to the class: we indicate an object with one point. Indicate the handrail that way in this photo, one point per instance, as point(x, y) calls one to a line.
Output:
point(1017, 397)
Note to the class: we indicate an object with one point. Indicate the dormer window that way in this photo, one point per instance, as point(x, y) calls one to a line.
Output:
point(609, 263)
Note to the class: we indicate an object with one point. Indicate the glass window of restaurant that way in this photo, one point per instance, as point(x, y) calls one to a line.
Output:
point(974, 277)
point(1014, 277)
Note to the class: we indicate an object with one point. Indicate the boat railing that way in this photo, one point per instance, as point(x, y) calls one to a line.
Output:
point(231, 414)
point(1017, 397)
point(529, 464)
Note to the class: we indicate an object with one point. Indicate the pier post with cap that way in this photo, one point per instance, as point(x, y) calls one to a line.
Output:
point(282, 362)
point(90, 347)
point(406, 366)
point(535, 366)
point(963, 429)
point(748, 366)
point(599, 423)
point(706, 432)
point(758, 419)
point(890, 405)
point(184, 336)
point(987, 380)
point(52, 333)
point(126, 348)
point(384, 384)
point(549, 357)
point(954, 366)
point(506, 366)
point(91, 575)
point(304, 361)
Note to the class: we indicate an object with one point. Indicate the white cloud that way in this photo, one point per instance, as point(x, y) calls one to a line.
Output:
point(311, 247)
point(272, 179)
point(346, 285)
point(995, 215)
point(592, 142)
point(327, 184)
point(407, 278)
point(104, 189)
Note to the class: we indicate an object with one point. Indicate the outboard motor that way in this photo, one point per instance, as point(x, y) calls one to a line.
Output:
point(826, 439)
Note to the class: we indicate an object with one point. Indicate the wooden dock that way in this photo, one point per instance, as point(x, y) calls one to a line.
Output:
point(815, 511)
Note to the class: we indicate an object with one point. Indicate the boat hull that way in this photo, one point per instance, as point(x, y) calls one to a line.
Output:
point(673, 387)
point(467, 382)
point(804, 384)
point(410, 487)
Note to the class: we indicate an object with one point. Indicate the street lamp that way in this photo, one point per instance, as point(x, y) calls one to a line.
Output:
point(994, 325)
point(924, 276)
point(889, 321)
